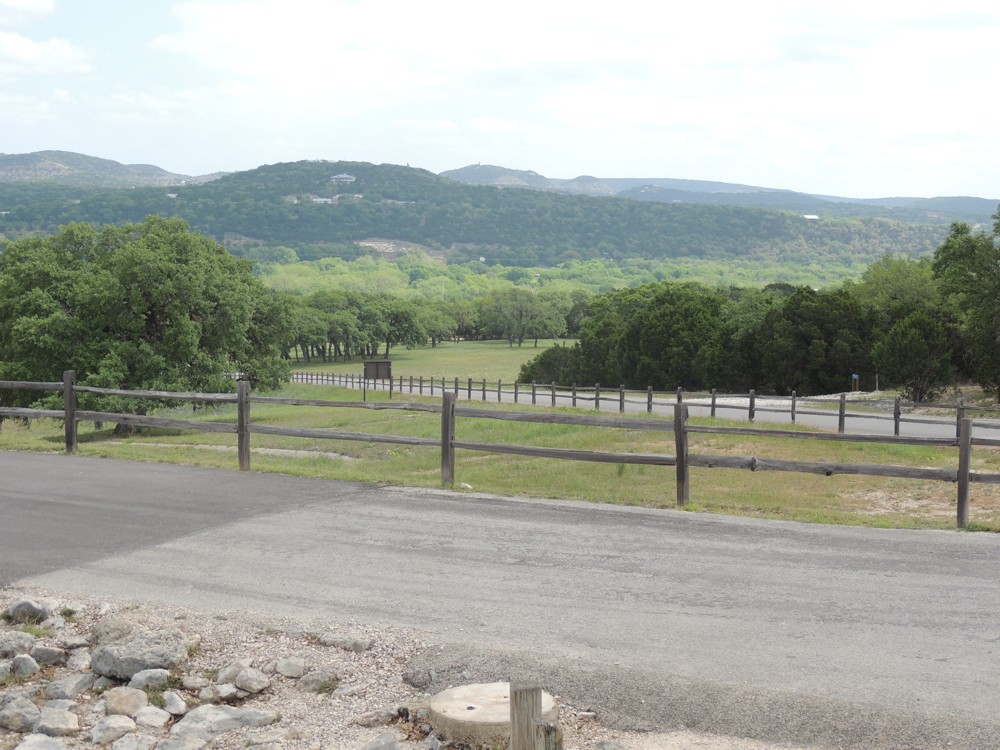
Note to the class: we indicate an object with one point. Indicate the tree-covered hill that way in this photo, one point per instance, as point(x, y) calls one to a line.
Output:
point(319, 202)
point(943, 210)
point(69, 168)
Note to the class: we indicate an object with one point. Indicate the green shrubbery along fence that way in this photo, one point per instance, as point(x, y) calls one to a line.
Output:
point(682, 459)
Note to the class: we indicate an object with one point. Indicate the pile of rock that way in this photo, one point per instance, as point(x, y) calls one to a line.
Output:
point(128, 687)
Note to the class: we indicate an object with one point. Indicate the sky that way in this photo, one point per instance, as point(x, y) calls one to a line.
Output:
point(858, 99)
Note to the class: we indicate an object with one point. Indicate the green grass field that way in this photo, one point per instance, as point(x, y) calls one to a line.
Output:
point(838, 499)
point(466, 359)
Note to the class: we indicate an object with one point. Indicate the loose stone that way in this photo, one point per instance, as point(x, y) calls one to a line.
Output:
point(111, 728)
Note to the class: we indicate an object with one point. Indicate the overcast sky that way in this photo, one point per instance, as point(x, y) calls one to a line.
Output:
point(862, 99)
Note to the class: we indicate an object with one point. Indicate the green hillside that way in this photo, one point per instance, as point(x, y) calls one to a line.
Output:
point(317, 202)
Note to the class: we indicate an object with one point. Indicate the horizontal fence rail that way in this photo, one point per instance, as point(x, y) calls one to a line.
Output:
point(682, 459)
point(748, 404)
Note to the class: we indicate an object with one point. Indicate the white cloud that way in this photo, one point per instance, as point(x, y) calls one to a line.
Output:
point(20, 55)
point(18, 11)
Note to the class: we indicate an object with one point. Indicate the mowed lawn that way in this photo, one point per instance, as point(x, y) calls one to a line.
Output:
point(491, 360)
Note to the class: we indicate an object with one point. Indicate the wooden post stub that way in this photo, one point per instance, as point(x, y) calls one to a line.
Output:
point(548, 735)
point(842, 415)
point(752, 409)
point(525, 710)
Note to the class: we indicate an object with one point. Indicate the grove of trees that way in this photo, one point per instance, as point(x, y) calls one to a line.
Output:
point(157, 306)
point(917, 325)
point(140, 306)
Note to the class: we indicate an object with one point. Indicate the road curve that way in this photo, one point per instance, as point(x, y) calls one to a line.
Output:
point(817, 635)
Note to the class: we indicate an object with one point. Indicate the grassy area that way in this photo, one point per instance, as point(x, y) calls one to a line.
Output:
point(465, 359)
point(850, 500)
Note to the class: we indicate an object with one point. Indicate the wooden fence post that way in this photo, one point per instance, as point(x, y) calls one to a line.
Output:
point(534, 393)
point(243, 424)
point(69, 407)
point(525, 709)
point(964, 464)
point(484, 389)
point(959, 416)
point(499, 390)
point(470, 389)
point(597, 396)
point(553, 394)
point(842, 415)
point(517, 387)
point(421, 385)
point(752, 409)
point(896, 410)
point(447, 439)
point(574, 395)
point(621, 398)
point(681, 443)
point(456, 385)
point(793, 407)
point(649, 399)
point(680, 395)
point(714, 395)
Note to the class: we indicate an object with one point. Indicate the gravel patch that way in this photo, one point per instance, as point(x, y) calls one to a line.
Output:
point(361, 697)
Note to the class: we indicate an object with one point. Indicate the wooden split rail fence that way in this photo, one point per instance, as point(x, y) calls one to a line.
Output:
point(550, 394)
point(682, 459)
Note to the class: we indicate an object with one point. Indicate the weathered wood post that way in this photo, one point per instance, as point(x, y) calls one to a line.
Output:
point(959, 416)
point(484, 389)
point(69, 407)
point(517, 387)
point(964, 464)
point(525, 710)
point(243, 424)
point(752, 408)
point(553, 394)
point(548, 735)
point(649, 399)
point(621, 398)
point(681, 443)
point(793, 407)
point(680, 395)
point(470, 389)
point(499, 390)
point(456, 386)
point(597, 396)
point(574, 395)
point(842, 414)
point(714, 396)
point(534, 393)
point(447, 439)
point(896, 411)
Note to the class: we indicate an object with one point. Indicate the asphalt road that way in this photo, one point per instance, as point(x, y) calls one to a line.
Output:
point(815, 635)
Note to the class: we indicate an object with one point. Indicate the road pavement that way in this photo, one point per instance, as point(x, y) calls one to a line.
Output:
point(809, 634)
